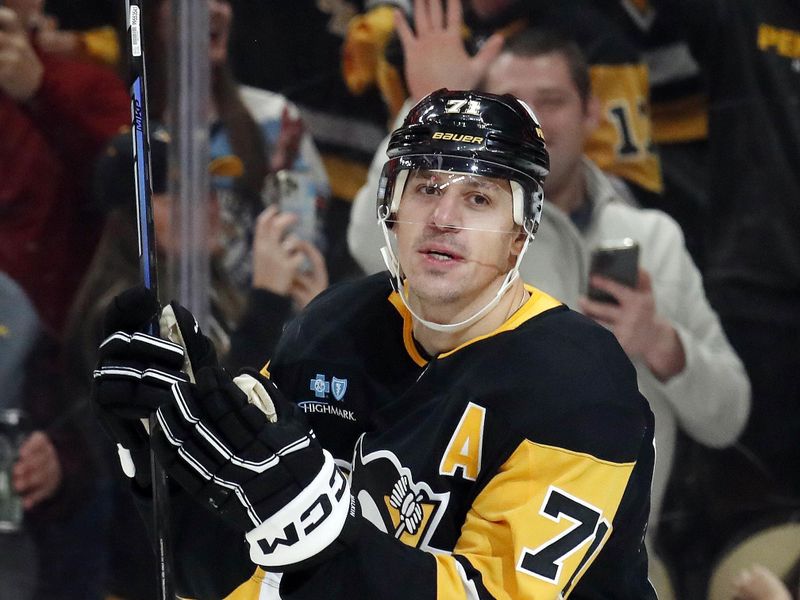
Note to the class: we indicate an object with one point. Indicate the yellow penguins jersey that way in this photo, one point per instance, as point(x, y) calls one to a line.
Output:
point(677, 97)
point(515, 466)
point(623, 142)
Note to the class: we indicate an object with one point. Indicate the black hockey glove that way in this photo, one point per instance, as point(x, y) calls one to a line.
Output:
point(249, 455)
point(135, 371)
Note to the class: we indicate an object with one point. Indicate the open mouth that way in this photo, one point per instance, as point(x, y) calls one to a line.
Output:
point(440, 254)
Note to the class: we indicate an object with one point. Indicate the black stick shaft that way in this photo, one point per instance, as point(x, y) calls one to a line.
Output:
point(147, 262)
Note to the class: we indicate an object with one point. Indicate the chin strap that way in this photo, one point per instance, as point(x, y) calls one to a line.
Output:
point(393, 265)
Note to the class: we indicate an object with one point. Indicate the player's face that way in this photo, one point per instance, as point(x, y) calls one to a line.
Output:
point(544, 82)
point(456, 238)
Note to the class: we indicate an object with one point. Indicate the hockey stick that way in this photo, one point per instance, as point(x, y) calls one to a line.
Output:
point(140, 134)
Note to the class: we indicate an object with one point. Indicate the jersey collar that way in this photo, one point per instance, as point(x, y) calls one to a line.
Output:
point(538, 303)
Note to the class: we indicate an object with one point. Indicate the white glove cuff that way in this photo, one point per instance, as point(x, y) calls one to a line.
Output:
point(307, 525)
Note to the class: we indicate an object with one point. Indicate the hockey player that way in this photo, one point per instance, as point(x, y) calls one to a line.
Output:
point(449, 432)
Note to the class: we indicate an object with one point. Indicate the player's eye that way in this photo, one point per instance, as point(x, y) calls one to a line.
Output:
point(429, 189)
point(479, 200)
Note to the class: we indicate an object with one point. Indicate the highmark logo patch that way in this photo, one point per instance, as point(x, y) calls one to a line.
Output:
point(316, 406)
point(322, 388)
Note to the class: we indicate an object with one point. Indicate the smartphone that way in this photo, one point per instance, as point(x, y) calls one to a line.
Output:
point(296, 193)
point(617, 260)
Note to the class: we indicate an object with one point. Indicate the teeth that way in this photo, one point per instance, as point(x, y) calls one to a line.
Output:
point(440, 256)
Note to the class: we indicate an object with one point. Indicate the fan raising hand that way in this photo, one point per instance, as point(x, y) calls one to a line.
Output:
point(434, 51)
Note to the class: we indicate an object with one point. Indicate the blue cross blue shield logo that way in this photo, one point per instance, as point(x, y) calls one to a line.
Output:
point(338, 387)
point(319, 386)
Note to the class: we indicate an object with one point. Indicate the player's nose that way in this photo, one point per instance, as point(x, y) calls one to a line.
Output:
point(447, 209)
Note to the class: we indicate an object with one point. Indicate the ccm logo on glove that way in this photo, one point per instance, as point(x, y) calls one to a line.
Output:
point(307, 525)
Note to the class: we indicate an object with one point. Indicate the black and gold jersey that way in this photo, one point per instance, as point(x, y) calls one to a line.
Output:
point(515, 466)
point(622, 144)
point(678, 101)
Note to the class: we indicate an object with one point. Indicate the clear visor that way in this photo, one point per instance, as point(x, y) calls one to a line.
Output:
point(454, 193)
point(454, 200)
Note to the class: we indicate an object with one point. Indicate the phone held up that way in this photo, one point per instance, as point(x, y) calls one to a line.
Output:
point(296, 193)
point(617, 260)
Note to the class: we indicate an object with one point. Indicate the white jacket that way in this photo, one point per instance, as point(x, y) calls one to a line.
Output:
point(710, 398)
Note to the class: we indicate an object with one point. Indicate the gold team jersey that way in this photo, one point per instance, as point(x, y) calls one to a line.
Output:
point(623, 142)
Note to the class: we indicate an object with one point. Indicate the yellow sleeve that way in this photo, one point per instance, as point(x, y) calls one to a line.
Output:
point(537, 526)
point(366, 39)
point(622, 144)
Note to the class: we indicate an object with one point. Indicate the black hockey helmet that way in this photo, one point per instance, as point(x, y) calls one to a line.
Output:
point(470, 132)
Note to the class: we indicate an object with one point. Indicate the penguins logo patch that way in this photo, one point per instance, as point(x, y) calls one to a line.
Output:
point(395, 503)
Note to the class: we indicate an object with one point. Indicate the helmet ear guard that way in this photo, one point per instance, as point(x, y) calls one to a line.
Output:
point(390, 191)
